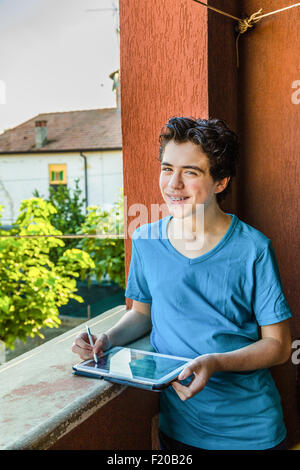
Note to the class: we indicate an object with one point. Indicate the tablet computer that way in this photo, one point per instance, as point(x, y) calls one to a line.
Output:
point(133, 367)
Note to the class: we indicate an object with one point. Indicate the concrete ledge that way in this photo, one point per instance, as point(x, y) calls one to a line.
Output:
point(41, 400)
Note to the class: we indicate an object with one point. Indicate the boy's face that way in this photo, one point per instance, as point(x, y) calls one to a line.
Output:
point(178, 180)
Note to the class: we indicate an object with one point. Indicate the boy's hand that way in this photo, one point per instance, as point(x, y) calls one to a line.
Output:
point(203, 367)
point(82, 347)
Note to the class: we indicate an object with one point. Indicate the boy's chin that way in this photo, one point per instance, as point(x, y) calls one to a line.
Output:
point(180, 212)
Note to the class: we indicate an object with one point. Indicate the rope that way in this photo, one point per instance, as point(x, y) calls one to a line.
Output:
point(218, 11)
point(246, 23)
point(243, 26)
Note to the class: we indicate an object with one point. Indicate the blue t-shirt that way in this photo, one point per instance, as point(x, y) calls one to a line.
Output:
point(213, 303)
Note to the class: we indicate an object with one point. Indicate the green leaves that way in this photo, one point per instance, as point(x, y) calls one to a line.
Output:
point(5, 305)
point(66, 215)
point(32, 287)
point(38, 275)
point(108, 254)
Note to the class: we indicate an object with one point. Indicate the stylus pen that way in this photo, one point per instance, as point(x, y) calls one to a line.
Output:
point(91, 342)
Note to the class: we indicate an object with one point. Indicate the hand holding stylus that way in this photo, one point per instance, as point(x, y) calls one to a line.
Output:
point(91, 342)
point(85, 350)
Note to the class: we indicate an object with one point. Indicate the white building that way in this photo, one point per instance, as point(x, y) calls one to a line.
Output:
point(58, 148)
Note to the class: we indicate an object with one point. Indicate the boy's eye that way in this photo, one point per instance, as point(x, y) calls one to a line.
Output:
point(187, 172)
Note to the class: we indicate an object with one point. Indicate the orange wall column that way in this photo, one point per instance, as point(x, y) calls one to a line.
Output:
point(178, 58)
point(159, 78)
point(165, 72)
point(269, 190)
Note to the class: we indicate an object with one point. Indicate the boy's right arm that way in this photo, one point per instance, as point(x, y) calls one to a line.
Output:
point(134, 324)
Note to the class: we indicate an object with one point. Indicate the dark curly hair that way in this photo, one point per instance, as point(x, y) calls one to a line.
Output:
point(216, 140)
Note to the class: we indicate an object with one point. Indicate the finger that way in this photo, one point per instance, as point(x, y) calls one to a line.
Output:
point(94, 338)
point(178, 386)
point(83, 353)
point(101, 344)
point(83, 335)
point(185, 390)
point(186, 373)
point(98, 346)
point(195, 386)
point(179, 389)
point(80, 341)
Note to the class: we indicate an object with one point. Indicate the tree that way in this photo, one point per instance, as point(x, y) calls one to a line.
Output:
point(108, 253)
point(69, 214)
point(32, 287)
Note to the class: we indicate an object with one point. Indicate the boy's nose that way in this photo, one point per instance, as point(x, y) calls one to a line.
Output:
point(175, 181)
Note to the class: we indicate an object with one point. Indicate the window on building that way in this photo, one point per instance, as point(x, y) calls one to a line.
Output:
point(58, 174)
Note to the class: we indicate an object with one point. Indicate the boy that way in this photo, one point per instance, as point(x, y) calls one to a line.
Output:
point(211, 292)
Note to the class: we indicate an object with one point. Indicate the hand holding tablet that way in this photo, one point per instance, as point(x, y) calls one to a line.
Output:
point(141, 369)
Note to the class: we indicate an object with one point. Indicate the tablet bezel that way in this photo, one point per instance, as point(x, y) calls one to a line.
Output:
point(81, 366)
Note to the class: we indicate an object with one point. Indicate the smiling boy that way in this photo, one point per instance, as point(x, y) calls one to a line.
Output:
point(218, 301)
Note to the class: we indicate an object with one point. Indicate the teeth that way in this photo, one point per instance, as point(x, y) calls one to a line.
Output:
point(178, 198)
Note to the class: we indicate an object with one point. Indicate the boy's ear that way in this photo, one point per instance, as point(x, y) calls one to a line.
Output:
point(222, 184)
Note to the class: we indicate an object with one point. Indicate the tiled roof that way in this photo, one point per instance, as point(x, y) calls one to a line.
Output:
point(72, 130)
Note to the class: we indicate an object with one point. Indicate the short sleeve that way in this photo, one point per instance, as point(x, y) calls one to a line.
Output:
point(137, 287)
point(269, 303)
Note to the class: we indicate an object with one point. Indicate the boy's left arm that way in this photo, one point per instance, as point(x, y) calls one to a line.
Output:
point(272, 349)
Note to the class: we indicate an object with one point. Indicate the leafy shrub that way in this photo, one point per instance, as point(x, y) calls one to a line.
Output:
point(108, 253)
point(69, 214)
point(32, 286)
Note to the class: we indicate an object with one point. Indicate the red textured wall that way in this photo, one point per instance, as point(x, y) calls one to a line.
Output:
point(269, 126)
point(270, 130)
point(223, 74)
point(165, 71)
point(178, 58)
point(124, 423)
point(159, 78)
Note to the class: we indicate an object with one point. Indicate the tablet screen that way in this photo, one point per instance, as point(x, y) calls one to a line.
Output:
point(134, 364)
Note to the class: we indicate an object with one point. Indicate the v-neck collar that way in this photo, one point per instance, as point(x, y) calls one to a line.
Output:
point(205, 256)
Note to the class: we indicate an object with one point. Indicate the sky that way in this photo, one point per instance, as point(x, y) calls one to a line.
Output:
point(56, 55)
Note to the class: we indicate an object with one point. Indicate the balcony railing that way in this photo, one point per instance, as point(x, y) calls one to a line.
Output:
point(45, 406)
